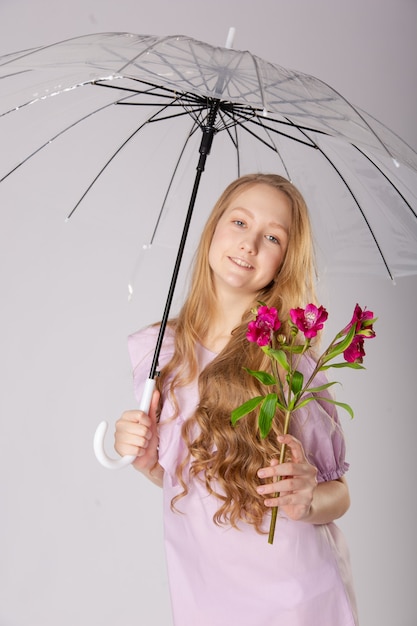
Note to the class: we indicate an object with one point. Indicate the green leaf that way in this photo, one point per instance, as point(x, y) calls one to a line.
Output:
point(245, 408)
point(297, 381)
point(282, 404)
point(355, 366)
point(303, 403)
point(296, 348)
point(340, 347)
point(343, 405)
point(281, 357)
point(263, 377)
point(267, 413)
point(321, 387)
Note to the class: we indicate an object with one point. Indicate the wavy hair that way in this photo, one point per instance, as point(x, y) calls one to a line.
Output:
point(224, 457)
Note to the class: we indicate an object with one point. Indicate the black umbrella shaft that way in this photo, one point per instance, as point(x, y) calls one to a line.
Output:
point(205, 147)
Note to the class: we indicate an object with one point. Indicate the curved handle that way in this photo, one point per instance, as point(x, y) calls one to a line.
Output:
point(101, 430)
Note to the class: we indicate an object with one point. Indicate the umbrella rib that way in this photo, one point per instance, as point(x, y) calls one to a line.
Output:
point(275, 148)
point(272, 147)
point(107, 163)
point(145, 51)
point(254, 119)
point(175, 115)
point(29, 51)
point(159, 88)
point(61, 132)
point(100, 83)
point(17, 107)
point(190, 134)
point(17, 73)
point(261, 89)
point(171, 64)
point(82, 119)
point(358, 113)
point(235, 139)
point(342, 178)
point(237, 150)
point(227, 126)
point(388, 180)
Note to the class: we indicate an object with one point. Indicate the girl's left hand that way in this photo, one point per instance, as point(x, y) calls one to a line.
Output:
point(296, 484)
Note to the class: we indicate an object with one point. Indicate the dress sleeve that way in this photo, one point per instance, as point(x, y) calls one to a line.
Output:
point(318, 428)
point(141, 346)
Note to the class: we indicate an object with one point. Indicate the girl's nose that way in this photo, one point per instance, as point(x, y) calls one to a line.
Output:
point(249, 244)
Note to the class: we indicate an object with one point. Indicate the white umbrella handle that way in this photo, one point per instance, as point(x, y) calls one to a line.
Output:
point(100, 433)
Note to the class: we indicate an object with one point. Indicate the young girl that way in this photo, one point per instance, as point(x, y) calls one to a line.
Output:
point(218, 478)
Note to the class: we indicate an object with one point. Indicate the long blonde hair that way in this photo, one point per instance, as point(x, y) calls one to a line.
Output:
point(227, 458)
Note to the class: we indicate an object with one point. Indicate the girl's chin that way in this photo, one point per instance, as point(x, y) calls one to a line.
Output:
point(238, 288)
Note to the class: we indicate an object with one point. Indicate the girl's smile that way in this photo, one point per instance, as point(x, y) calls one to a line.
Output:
point(241, 263)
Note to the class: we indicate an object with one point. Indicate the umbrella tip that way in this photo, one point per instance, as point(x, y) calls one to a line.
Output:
point(230, 37)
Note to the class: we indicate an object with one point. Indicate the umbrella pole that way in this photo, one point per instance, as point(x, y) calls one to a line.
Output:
point(204, 150)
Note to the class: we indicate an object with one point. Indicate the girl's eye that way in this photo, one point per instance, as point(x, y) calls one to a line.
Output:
point(272, 238)
point(239, 222)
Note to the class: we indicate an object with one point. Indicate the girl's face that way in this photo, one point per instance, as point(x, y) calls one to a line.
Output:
point(250, 240)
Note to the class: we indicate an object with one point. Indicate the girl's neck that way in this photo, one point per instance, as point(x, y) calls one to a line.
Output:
point(227, 317)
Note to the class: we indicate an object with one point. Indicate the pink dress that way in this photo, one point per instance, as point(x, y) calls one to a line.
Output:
point(220, 576)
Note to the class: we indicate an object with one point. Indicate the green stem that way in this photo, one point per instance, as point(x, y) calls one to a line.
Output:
point(275, 371)
point(276, 495)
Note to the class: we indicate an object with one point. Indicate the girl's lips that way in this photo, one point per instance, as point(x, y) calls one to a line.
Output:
point(241, 263)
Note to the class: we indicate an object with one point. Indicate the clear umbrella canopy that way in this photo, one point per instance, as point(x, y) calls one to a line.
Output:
point(129, 109)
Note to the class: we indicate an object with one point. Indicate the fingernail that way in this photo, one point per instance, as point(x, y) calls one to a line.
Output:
point(261, 473)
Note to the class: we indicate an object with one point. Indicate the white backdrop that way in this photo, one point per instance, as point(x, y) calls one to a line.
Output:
point(81, 546)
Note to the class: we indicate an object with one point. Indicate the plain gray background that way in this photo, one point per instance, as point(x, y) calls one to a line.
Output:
point(83, 546)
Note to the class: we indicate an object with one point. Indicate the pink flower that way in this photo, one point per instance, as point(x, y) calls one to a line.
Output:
point(355, 352)
point(309, 320)
point(364, 325)
point(266, 323)
point(362, 320)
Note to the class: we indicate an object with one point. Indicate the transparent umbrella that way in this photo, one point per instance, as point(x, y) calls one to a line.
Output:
point(118, 110)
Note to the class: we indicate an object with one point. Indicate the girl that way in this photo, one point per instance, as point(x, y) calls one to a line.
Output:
point(218, 479)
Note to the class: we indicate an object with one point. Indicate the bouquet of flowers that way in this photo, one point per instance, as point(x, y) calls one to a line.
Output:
point(286, 352)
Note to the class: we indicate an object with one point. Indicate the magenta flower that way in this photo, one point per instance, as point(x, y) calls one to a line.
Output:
point(355, 352)
point(363, 321)
point(309, 320)
point(261, 329)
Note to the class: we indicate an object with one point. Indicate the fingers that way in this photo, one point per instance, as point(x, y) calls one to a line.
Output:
point(288, 486)
point(294, 494)
point(297, 466)
point(296, 506)
point(297, 450)
point(154, 405)
point(293, 483)
point(133, 433)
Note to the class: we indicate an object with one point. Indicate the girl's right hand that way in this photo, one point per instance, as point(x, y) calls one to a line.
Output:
point(137, 435)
